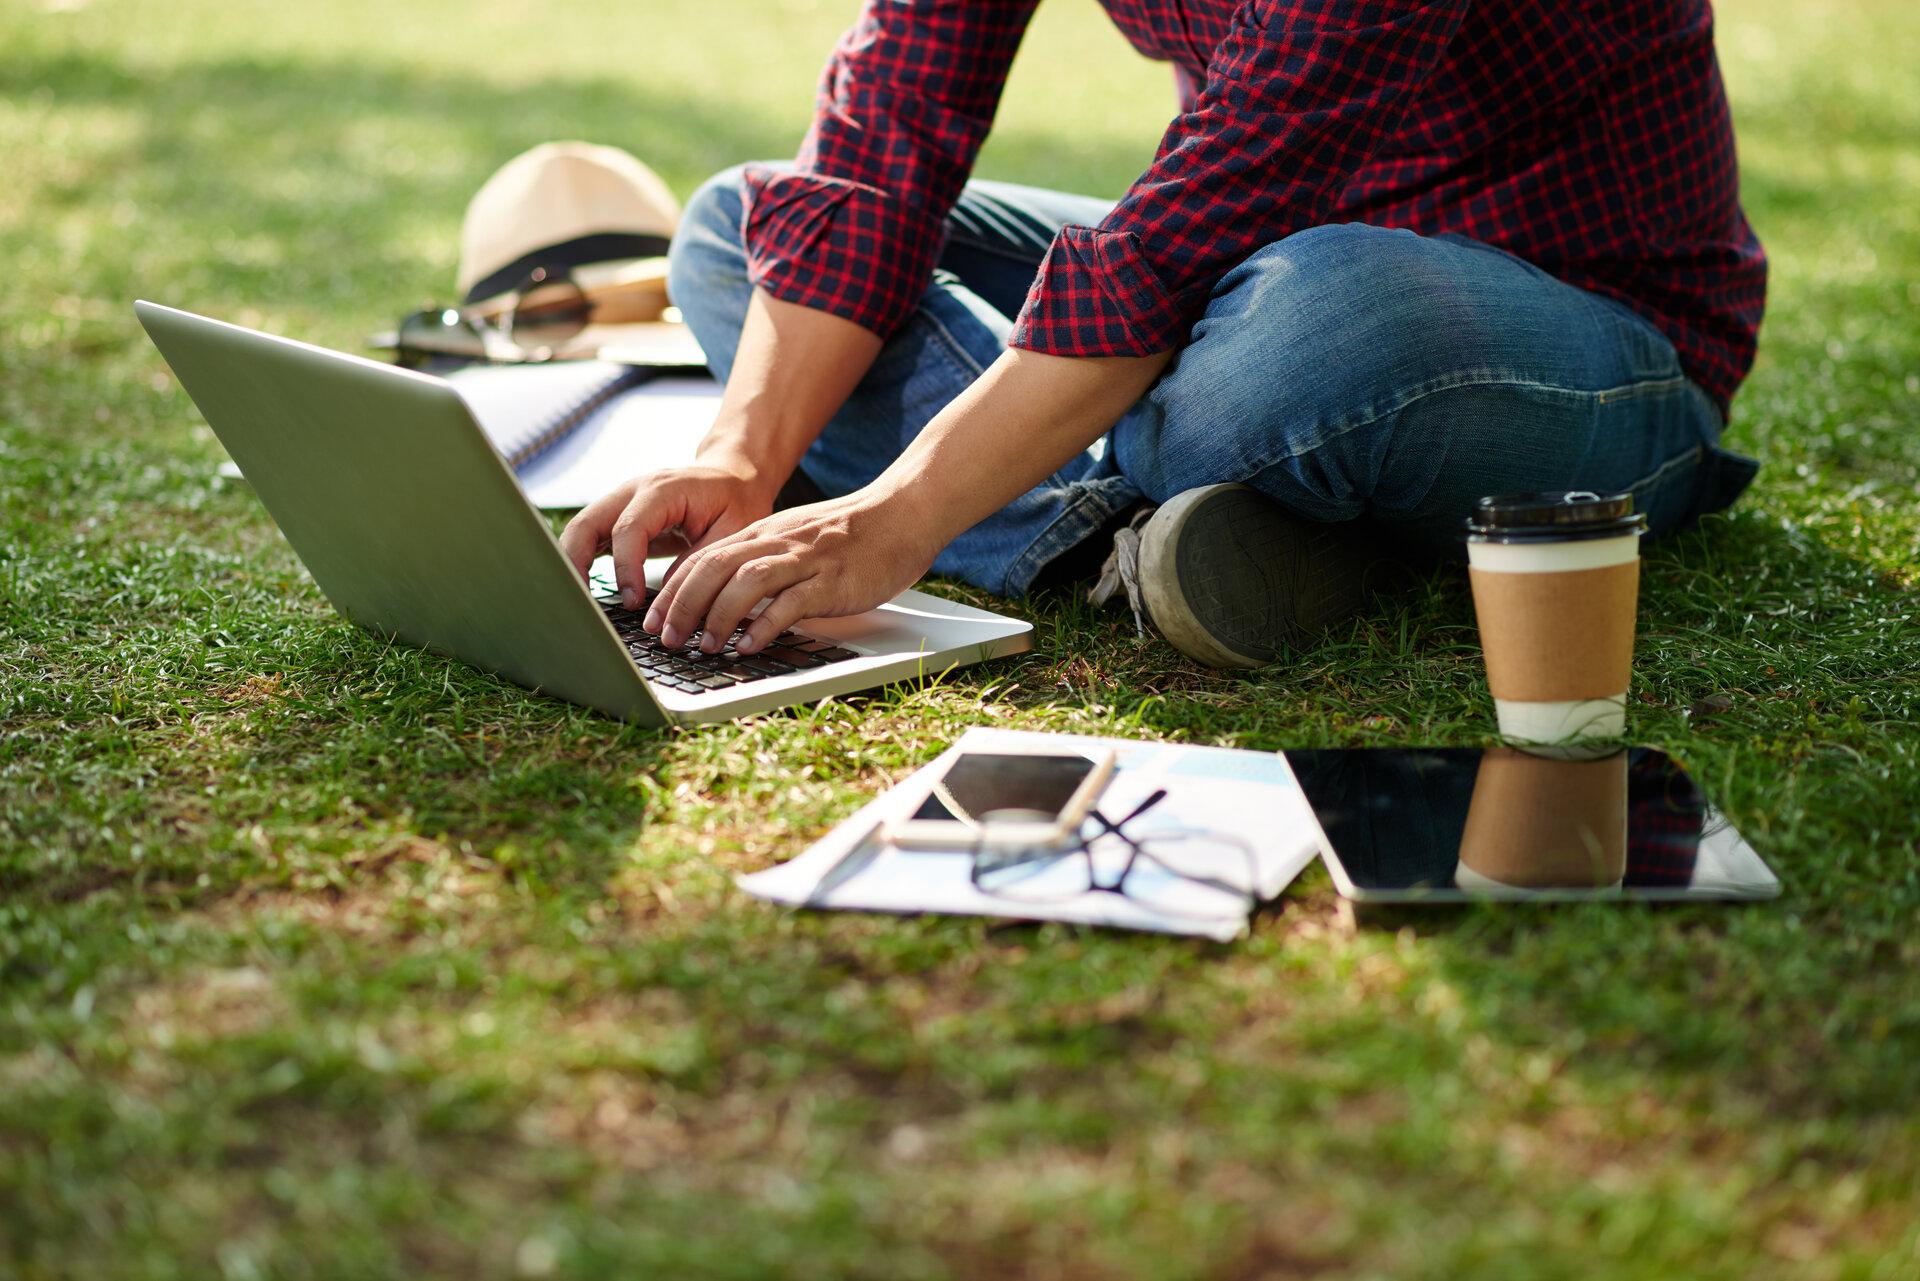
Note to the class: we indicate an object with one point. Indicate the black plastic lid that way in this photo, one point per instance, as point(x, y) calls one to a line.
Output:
point(1558, 516)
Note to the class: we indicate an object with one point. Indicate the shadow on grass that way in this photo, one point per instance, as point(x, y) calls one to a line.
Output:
point(195, 733)
point(275, 181)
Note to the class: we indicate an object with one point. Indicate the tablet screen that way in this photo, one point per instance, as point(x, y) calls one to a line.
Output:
point(1453, 824)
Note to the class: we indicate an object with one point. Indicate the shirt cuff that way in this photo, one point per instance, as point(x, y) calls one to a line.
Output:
point(1097, 295)
point(838, 246)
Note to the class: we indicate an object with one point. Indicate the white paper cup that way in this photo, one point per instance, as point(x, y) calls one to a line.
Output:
point(1556, 581)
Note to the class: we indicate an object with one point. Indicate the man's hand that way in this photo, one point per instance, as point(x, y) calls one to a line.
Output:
point(1009, 430)
point(794, 368)
point(662, 515)
point(843, 556)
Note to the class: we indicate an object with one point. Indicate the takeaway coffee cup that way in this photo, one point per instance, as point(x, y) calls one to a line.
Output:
point(1556, 585)
point(1542, 823)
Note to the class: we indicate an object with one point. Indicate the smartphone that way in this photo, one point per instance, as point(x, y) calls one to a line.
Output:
point(1002, 799)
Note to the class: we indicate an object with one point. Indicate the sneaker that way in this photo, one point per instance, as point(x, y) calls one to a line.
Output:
point(1231, 580)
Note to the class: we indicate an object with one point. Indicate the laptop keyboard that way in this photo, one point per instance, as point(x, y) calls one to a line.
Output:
point(692, 671)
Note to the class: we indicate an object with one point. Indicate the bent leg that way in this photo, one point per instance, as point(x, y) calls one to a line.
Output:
point(1350, 372)
point(998, 235)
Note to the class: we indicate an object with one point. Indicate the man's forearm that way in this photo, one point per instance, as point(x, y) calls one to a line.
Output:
point(1017, 424)
point(794, 369)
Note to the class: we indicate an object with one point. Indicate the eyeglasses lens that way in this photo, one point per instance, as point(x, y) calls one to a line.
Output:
point(548, 312)
point(1193, 872)
point(440, 332)
point(1032, 875)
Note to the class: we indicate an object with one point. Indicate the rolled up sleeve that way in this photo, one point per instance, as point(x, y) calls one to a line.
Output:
point(1097, 294)
point(855, 227)
point(838, 246)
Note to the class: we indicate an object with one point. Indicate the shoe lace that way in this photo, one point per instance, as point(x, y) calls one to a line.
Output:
point(1121, 571)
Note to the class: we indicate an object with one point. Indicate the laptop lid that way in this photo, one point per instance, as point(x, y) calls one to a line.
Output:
point(402, 512)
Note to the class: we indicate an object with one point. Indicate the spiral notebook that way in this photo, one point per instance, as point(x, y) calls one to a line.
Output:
point(571, 430)
point(527, 409)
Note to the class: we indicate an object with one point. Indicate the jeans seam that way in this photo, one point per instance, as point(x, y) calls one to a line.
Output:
point(1643, 387)
point(1691, 454)
point(1031, 560)
point(1456, 382)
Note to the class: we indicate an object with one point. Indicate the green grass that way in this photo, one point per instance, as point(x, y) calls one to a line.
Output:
point(320, 957)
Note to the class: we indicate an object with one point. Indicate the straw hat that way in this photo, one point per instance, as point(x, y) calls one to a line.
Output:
point(561, 206)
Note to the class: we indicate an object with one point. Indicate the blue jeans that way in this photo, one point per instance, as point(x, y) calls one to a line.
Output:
point(1348, 372)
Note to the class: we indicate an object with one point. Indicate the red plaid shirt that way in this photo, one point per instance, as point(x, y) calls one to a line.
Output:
point(1591, 139)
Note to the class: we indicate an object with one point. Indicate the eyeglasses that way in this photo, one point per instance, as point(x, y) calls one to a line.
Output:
point(1174, 871)
point(529, 324)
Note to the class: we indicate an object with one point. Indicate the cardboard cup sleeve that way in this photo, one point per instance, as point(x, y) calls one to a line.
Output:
point(1557, 637)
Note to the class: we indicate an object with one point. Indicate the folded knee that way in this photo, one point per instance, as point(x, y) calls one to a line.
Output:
point(716, 202)
point(706, 250)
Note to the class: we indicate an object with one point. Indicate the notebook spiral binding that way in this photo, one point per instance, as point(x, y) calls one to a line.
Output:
point(556, 429)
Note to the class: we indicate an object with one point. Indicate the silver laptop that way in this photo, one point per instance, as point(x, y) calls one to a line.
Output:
point(414, 527)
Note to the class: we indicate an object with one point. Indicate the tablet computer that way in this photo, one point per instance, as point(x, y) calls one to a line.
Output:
point(1455, 825)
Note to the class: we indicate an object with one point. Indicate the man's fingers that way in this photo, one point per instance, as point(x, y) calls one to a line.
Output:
point(585, 536)
point(651, 512)
point(669, 588)
point(681, 547)
point(783, 611)
point(753, 581)
point(677, 574)
point(683, 601)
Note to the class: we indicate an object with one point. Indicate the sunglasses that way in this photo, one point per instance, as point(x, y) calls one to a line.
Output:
point(526, 325)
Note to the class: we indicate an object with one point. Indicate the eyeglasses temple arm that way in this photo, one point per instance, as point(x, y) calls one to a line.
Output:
point(1135, 812)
